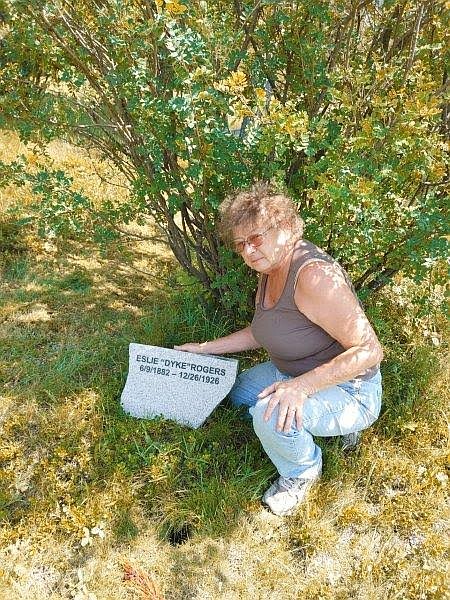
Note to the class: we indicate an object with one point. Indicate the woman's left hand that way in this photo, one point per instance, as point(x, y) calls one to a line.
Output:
point(289, 397)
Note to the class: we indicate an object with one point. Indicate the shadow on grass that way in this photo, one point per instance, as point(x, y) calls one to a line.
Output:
point(66, 326)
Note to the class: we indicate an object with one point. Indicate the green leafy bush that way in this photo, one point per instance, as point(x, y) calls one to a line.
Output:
point(343, 104)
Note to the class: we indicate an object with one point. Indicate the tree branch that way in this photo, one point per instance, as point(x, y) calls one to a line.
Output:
point(248, 30)
point(382, 279)
point(413, 45)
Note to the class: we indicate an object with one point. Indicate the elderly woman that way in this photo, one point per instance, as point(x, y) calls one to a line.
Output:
point(323, 376)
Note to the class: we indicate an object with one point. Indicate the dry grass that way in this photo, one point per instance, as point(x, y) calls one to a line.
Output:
point(90, 175)
point(87, 496)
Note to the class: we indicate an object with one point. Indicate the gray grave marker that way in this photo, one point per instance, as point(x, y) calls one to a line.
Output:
point(177, 385)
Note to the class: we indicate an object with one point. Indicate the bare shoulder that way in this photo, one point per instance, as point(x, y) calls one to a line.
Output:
point(320, 277)
point(324, 296)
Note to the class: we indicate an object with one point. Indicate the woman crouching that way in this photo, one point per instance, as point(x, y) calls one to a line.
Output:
point(323, 376)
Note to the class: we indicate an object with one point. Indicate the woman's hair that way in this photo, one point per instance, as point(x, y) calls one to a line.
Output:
point(262, 202)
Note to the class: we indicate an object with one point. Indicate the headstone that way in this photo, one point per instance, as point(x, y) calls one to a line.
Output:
point(177, 385)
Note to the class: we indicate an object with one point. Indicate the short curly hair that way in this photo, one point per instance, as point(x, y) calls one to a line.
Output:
point(262, 202)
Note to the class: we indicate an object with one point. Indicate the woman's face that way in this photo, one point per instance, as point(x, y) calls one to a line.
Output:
point(263, 246)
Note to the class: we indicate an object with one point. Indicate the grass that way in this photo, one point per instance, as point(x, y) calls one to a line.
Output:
point(96, 504)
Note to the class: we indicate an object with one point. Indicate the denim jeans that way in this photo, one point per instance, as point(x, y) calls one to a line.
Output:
point(338, 410)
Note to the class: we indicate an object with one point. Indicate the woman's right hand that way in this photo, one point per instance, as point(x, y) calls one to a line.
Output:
point(195, 347)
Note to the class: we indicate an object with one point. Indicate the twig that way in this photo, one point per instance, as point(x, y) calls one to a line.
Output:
point(142, 582)
point(413, 45)
point(143, 238)
point(107, 181)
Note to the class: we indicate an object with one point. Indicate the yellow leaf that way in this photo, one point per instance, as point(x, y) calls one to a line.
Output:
point(260, 94)
point(237, 79)
point(234, 84)
point(183, 164)
point(367, 127)
point(241, 109)
point(438, 171)
point(174, 7)
point(205, 148)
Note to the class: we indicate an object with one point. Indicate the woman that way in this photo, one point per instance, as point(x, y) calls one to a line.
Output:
point(323, 376)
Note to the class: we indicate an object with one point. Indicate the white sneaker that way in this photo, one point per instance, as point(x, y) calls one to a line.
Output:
point(351, 441)
point(286, 493)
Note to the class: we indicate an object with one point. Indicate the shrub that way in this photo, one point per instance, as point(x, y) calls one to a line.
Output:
point(342, 103)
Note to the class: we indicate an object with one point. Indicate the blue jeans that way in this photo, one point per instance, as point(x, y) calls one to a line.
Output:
point(338, 410)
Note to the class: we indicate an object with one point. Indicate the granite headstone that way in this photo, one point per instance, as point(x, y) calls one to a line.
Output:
point(176, 385)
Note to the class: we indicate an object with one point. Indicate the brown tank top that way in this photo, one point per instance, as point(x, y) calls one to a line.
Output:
point(294, 343)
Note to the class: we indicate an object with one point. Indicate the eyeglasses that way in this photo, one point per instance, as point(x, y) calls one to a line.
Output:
point(254, 240)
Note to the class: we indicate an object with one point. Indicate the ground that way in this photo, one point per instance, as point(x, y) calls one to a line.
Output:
point(89, 495)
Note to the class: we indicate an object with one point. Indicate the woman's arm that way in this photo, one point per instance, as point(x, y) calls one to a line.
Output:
point(235, 342)
point(323, 295)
